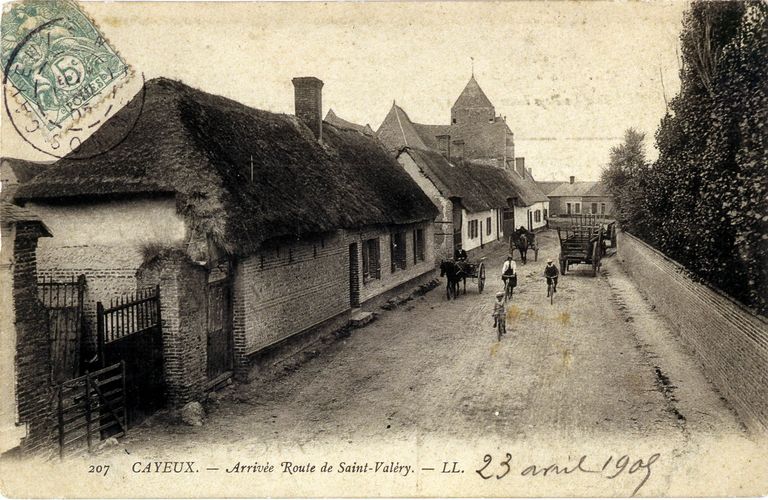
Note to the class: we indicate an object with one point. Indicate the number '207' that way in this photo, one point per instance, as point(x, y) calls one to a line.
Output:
point(98, 469)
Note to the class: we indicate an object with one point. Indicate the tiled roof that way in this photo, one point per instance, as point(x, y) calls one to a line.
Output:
point(472, 97)
point(397, 131)
point(583, 188)
point(10, 213)
point(548, 186)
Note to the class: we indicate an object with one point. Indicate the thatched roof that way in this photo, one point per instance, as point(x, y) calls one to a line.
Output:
point(240, 175)
point(480, 187)
point(339, 122)
point(529, 190)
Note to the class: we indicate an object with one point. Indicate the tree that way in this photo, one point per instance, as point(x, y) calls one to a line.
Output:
point(624, 177)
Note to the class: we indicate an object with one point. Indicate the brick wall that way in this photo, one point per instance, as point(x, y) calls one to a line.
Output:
point(103, 240)
point(183, 316)
point(33, 350)
point(289, 289)
point(730, 342)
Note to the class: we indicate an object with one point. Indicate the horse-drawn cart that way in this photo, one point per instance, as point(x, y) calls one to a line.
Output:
point(581, 245)
point(524, 241)
point(458, 271)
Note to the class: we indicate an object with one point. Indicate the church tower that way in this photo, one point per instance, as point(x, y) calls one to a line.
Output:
point(472, 106)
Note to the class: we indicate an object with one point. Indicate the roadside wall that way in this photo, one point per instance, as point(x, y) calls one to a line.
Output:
point(730, 342)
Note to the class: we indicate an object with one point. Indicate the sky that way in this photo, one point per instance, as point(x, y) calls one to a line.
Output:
point(570, 77)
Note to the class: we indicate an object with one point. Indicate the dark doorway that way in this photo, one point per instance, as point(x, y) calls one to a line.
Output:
point(354, 277)
point(219, 327)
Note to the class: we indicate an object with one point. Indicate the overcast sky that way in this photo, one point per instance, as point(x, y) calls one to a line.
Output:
point(569, 77)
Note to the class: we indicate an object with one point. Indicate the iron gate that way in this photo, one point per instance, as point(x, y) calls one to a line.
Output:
point(129, 331)
point(63, 301)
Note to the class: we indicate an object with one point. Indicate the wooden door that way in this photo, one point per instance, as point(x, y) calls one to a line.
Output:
point(220, 342)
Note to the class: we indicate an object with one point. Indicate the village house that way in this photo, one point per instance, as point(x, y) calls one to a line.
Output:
point(478, 135)
point(337, 121)
point(25, 367)
point(585, 197)
point(472, 199)
point(259, 228)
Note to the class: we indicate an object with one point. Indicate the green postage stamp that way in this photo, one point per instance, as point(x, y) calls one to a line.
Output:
point(57, 66)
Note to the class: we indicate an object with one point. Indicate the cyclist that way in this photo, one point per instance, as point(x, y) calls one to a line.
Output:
point(509, 272)
point(551, 273)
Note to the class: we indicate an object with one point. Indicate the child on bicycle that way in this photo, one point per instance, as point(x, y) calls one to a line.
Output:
point(551, 273)
point(500, 313)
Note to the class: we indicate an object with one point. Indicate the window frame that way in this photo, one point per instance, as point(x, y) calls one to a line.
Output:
point(369, 273)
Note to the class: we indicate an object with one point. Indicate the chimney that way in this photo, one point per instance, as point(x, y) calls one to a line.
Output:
point(444, 145)
point(573, 179)
point(530, 172)
point(308, 97)
point(520, 166)
point(458, 149)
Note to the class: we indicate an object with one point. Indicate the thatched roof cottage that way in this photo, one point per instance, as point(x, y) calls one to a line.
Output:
point(472, 198)
point(302, 219)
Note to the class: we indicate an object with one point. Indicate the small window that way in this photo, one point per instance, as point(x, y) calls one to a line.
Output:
point(568, 208)
point(602, 208)
point(577, 208)
point(537, 216)
point(371, 260)
point(546, 215)
point(418, 245)
point(594, 208)
point(454, 120)
point(397, 251)
point(488, 226)
point(473, 229)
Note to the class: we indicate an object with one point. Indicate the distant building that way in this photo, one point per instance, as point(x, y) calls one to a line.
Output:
point(475, 134)
point(589, 198)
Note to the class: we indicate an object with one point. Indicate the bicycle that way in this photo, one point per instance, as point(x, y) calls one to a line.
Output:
point(551, 292)
point(509, 286)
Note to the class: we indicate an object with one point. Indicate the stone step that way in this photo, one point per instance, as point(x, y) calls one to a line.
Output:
point(360, 318)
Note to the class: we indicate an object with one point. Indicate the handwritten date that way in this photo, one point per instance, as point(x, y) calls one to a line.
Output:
point(610, 469)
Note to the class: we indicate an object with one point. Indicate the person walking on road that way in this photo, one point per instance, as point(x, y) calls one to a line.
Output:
point(500, 314)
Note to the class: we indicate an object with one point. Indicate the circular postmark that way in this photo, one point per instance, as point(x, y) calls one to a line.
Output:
point(67, 94)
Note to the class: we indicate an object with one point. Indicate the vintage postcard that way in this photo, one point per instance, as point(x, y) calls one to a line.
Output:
point(383, 249)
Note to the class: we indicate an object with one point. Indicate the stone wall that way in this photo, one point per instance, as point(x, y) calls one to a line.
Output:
point(730, 342)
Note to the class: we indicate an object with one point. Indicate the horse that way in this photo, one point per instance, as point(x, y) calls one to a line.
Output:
point(454, 273)
point(521, 242)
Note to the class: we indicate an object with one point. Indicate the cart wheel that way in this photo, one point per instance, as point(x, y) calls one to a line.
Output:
point(595, 258)
point(481, 278)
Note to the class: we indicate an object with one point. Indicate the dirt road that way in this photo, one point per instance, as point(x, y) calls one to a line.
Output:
point(597, 365)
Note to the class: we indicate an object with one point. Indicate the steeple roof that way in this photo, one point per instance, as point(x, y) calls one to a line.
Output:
point(472, 97)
